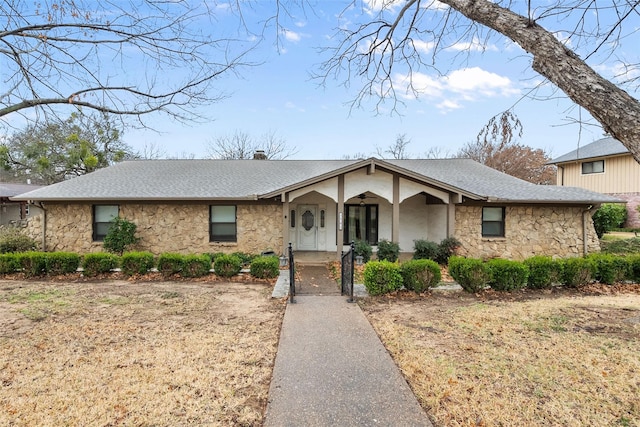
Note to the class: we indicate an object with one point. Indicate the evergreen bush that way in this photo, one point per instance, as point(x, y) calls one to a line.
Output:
point(363, 248)
point(425, 249)
point(418, 275)
point(446, 249)
point(13, 239)
point(245, 258)
point(470, 273)
point(99, 262)
point(507, 275)
point(388, 251)
point(265, 267)
point(120, 237)
point(62, 262)
point(9, 263)
point(608, 217)
point(381, 277)
point(136, 263)
point(196, 266)
point(227, 265)
point(170, 263)
point(543, 272)
point(610, 269)
point(33, 264)
point(577, 271)
point(634, 268)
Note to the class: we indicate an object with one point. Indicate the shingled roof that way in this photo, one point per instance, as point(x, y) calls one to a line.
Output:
point(148, 180)
point(601, 148)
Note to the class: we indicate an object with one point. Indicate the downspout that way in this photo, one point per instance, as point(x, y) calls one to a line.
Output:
point(585, 214)
point(44, 225)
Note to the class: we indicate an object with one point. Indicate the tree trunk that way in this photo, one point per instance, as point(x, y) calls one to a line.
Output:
point(614, 108)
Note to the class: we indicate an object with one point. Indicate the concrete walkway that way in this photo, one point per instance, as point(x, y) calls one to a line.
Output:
point(332, 370)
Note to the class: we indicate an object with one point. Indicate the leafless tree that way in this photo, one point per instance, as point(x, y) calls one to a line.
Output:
point(397, 150)
point(125, 58)
point(151, 151)
point(565, 40)
point(241, 145)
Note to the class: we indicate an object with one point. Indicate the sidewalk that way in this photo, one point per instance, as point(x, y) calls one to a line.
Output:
point(332, 370)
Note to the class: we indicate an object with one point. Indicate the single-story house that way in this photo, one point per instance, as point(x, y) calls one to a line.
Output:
point(207, 206)
point(16, 212)
point(605, 166)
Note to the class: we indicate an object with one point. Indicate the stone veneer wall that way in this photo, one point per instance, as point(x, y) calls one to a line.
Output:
point(539, 230)
point(163, 228)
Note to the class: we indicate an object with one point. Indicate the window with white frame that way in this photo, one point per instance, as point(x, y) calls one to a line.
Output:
point(493, 221)
point(103, 216)
point(222, 225)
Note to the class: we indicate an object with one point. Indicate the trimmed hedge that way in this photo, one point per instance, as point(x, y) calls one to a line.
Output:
point(634, 268)
point(543, 272)
point(425, 249)
point(470, 273)
point(418, 275)
point(507, 275)
point(99, 262)
point(136, 263)
point(609, 268)
point(577, 271)
point(196, 265)
point(381, 277)
point(33, 264)
point(170, 263)
point(9, 263)
point(227, 265)
point(265, 267)
point(388, 251)
point(61, 262)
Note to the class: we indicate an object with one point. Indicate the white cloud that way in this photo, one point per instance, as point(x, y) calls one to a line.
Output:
point(475, 80)
point(291, 36)
point(474, 45)
point(423, 47)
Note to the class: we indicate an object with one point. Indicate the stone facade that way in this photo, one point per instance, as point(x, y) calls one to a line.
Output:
point(181, 228)
point(529, 230)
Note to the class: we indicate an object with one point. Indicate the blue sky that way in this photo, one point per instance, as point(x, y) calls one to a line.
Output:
point(279, 97)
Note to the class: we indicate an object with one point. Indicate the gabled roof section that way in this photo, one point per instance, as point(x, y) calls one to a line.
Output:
point(9, 189)
point(184, 180)
point(601, 148)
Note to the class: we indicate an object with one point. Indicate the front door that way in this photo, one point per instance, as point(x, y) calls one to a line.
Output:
point(307, 228)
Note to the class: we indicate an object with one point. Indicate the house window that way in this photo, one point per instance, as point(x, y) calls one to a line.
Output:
point(493, 222)
point(593, 167)
point(361, 224)
point(103, 216)
point(222, 226)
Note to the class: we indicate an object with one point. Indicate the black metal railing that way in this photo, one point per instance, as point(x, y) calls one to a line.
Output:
point(292, 276)
point(346, 276)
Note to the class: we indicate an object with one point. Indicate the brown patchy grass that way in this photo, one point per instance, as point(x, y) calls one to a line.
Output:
point(122, 353)
point(556, 358)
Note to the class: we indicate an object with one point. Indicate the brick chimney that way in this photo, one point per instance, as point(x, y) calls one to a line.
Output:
point(259, 155)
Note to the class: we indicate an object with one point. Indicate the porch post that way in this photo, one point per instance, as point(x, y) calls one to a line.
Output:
point(340, 219)
point(285, 222)
point(395, 222)
point(451, 213)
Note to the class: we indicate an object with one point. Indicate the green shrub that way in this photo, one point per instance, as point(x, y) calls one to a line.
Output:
point(609, 268)
point(363, 248)
point(446, 249)
point(196, 266)
point(634, 268)
point(470, 273)
point(33, 263)
point(418, 275)
point(608, 217)
point(136, 263)
point(381, 277)
point(227, 265)
point(9, 263)
point(621, 246)
point(245, 258)
point(99, 262)
point(13, 239)
point(121, 236)
point(170, 263)
point(425, 249)
point(507, 275)
point(265, 267)
point(62, 262)
point(388, 251)
point(577, 271)
point(543, 272)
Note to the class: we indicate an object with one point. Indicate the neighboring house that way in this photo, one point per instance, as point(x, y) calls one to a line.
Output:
point(14, 212)
point(605, 166)
point(207, 206)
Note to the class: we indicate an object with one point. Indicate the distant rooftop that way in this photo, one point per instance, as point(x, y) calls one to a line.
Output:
point(601, 148)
